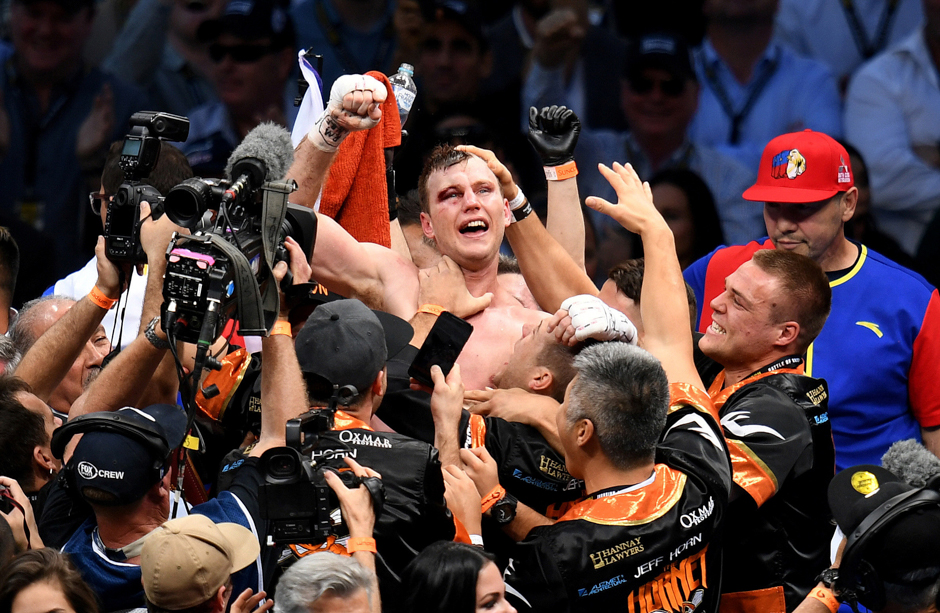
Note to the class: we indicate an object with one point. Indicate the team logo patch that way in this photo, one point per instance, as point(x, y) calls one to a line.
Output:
point(789, 164)
point(87, 470)
point(845, 176)
point(864, 483)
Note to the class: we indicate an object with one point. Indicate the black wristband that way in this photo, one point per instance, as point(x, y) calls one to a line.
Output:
point(522, 212)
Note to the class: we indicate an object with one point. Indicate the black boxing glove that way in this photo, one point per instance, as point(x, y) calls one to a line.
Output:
point(554, 133)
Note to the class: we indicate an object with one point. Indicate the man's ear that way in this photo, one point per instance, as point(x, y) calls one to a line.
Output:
point(789, 332)
point(540, 380)
point(43, 457)
point(584, 430)
point(426, 226)
point(848, 203)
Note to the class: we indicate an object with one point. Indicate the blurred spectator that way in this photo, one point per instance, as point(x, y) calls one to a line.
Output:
point(449, 577)
point(846, 33)
point(754, 88)
point(58, 118)
point(9, 269)
point(892, 115)
point(159, 49)
point(687, 205)
point(325, 582)
point(572, 61)
point(353, 36)
point(454, 60)
point(252, 51)
point(511, 39)
point(863, 228)
point(659, 96)
point(409, 22)
point(48, 577)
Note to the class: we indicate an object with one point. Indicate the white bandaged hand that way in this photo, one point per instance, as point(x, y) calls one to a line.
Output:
point(354, 105)
point(592, 318)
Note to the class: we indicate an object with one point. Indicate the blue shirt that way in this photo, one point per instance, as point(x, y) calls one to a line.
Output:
point(798, 93)
point(354, 51)
point(117, 584)
point(879, 349)
point(42, 178)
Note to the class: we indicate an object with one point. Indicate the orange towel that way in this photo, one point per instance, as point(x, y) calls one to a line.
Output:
point(355, 193)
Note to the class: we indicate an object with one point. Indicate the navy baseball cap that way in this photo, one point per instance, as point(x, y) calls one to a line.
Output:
point(251, 20)
point(663, 50)
point(346, 343)
point(121, 466)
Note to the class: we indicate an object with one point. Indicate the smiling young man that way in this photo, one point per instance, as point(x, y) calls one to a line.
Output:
point(880, 348)
point(776, 424)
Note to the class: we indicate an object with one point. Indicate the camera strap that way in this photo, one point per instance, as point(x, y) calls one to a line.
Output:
point(250, 309)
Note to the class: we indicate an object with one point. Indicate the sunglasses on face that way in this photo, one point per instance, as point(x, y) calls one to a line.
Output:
point(239, 53)
point(670, 87)
point(95, 199)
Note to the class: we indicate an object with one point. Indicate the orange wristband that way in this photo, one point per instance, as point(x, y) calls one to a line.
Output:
point(560, 173)
point(431, 309)
point(492, 498)
point(281, 327)
point(360, 543)
point(98, 297)
point(826, 597)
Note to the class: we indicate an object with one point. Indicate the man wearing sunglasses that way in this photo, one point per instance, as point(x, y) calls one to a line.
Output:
point(659, 96)
point(252, 52)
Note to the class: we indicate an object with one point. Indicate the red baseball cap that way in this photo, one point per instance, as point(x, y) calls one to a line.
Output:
point(801, 167)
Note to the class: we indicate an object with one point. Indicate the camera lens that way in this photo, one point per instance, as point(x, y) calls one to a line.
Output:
point(186, 202)
point(282, 465)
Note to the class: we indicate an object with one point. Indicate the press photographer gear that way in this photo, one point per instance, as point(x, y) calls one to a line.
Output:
point(138, 158)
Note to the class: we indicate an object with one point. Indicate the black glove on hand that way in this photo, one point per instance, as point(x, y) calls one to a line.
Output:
point(554, 133)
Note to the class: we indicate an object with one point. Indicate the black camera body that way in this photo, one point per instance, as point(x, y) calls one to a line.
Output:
point(138, 158)
point(295, 499)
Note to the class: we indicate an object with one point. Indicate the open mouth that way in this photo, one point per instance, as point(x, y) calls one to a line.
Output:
point(716, 329)
point(474, 227)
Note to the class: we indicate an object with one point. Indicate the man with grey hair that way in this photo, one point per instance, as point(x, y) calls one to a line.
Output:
point(324, 582)
point(638, 427)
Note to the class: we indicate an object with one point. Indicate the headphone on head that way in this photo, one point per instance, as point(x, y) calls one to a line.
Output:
point(150, 435)
point(858, 580)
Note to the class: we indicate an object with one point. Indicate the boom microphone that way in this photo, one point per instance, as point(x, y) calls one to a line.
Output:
point(911, 462)
point(270, 145)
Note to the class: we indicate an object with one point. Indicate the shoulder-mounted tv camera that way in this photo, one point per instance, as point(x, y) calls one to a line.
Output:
point(295, 498)
point(138, 158)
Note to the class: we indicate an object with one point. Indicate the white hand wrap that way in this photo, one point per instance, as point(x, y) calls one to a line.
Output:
point(328, 132)
point(592, 318)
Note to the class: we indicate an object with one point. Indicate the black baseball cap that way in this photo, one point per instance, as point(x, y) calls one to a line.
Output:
point(121, 465)
point(346, 343)
point(251, 20)
point(910, 542)
point(663, 50)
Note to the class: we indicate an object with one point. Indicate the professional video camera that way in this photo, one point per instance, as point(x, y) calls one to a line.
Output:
point(138, 158)
point(295, 498)
point(223, 269)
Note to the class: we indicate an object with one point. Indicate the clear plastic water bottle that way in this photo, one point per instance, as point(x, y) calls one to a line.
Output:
point(403, 85)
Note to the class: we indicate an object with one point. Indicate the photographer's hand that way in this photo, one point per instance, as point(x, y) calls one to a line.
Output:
point(155, 235)
point(20, 521)
point(109, 275)
point(356, 507)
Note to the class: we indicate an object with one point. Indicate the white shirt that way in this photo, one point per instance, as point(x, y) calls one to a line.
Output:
point(892, 106)
point(820, 29)
point(77, 285)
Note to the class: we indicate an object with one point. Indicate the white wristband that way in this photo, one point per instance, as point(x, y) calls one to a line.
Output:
point(476, 539)
point(326, 134)
point(518, 201)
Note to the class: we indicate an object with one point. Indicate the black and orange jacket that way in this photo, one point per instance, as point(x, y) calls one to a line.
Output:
point(777, 426)
point(414, 515)
point(651, 546)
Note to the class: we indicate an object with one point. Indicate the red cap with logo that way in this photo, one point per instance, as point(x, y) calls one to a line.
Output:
point(801, 167)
